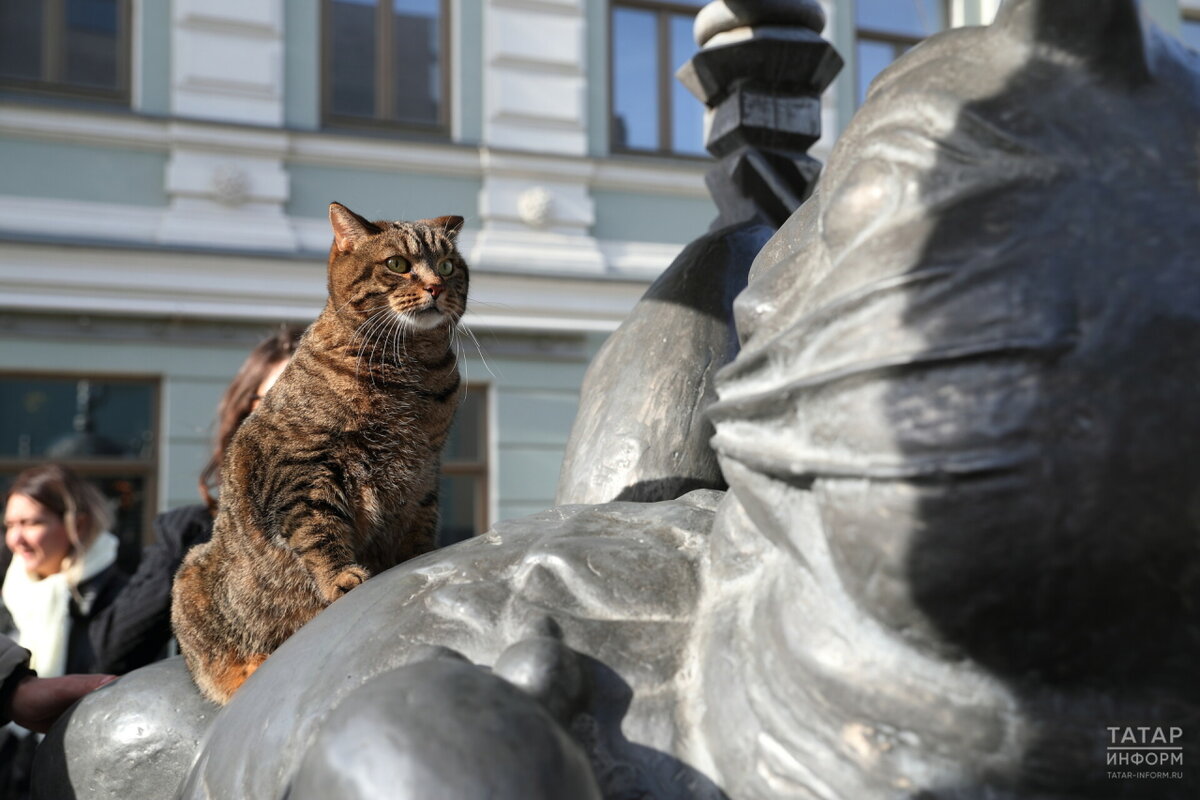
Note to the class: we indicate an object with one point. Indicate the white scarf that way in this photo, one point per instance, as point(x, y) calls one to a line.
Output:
point(41, 608)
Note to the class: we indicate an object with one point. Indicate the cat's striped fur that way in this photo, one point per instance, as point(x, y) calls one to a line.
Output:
point(334, 477)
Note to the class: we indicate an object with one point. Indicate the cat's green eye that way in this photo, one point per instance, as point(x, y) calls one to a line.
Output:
point(445, 268)
point(397, 264)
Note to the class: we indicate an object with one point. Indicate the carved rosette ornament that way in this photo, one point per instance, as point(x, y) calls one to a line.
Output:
point(230, 185)
point(534, 205)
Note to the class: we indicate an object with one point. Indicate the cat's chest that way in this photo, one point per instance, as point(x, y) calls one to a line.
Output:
point(380, 482)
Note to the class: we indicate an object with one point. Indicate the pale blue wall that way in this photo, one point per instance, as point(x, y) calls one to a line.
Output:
point(650, 218)
point(535, 405)
point(379, 194)
point(80, 172)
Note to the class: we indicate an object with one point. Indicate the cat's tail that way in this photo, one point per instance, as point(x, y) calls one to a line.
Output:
point(205, 637)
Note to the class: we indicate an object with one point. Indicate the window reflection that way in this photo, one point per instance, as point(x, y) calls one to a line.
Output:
point(416, 65)
point(651, 111)
point(462, 489)
point(913, 18)
point(76, 47)
point(460, 502)
point(76, 418)
point(1190, 32)
point(352, 57)
point(385, 61)
point(103, 428)
point(91, 43)
point(635, 90)
point(873, 58)
point(20, 39)
point(465, 441)
point(886, 29)
point(687, 113)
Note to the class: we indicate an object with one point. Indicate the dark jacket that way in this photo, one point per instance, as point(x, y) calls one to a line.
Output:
point(97, 594)
point(134, 629)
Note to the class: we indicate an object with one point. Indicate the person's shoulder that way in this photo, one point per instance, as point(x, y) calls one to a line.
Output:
point(187, 524)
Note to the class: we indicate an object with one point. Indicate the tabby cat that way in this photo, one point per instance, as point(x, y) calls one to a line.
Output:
point(334, 477)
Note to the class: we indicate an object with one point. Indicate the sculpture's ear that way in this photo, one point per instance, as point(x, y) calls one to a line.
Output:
point(1106, 35)
point(448, 225)
point(348, 228)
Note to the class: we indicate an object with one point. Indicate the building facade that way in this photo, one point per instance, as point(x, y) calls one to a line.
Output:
point(165, 169)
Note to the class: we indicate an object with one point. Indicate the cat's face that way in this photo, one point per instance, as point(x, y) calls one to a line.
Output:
point(410, 271)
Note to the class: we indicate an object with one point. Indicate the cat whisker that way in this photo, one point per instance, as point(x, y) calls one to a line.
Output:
point(479, 348)
point(386, 343)
point(460, 360)
point(376, 325)
point(493, 304)
point(399, 340)
point(362, 333)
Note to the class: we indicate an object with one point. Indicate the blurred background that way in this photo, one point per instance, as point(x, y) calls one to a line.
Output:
point(165, 169)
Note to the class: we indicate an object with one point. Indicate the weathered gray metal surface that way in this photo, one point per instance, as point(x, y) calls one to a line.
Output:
point(404, 734)
point(959, 541)
point(132, 740)
point(641, 433)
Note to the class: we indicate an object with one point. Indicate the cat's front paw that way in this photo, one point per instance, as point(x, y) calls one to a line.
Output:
point(344, 581)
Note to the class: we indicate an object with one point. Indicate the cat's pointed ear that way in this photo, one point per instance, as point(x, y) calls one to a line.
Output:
point(348, 228)
point(1105, 35)
point(448, 225)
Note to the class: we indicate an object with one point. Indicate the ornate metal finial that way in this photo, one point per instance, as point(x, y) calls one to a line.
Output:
point(761, 71)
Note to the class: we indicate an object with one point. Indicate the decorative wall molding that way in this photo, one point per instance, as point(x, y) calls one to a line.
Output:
point(87, 128)
point(25, 217)
point(104, 227)
point(332, 150)
point(120, 281)
point(226, 185)
point(227, 60)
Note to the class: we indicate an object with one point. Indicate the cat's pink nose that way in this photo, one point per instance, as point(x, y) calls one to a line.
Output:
point(435, 289)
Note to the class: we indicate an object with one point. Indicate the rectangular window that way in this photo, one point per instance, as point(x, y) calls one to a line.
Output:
point(74, 48)
point(386, 63)
point(887, 28)
point(102, 427)
point(650, 111)
point(462, 492)
point(1190, 30)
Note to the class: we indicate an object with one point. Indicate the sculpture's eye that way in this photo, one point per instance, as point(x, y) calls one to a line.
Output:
point(445, 268)
point(398, 264)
